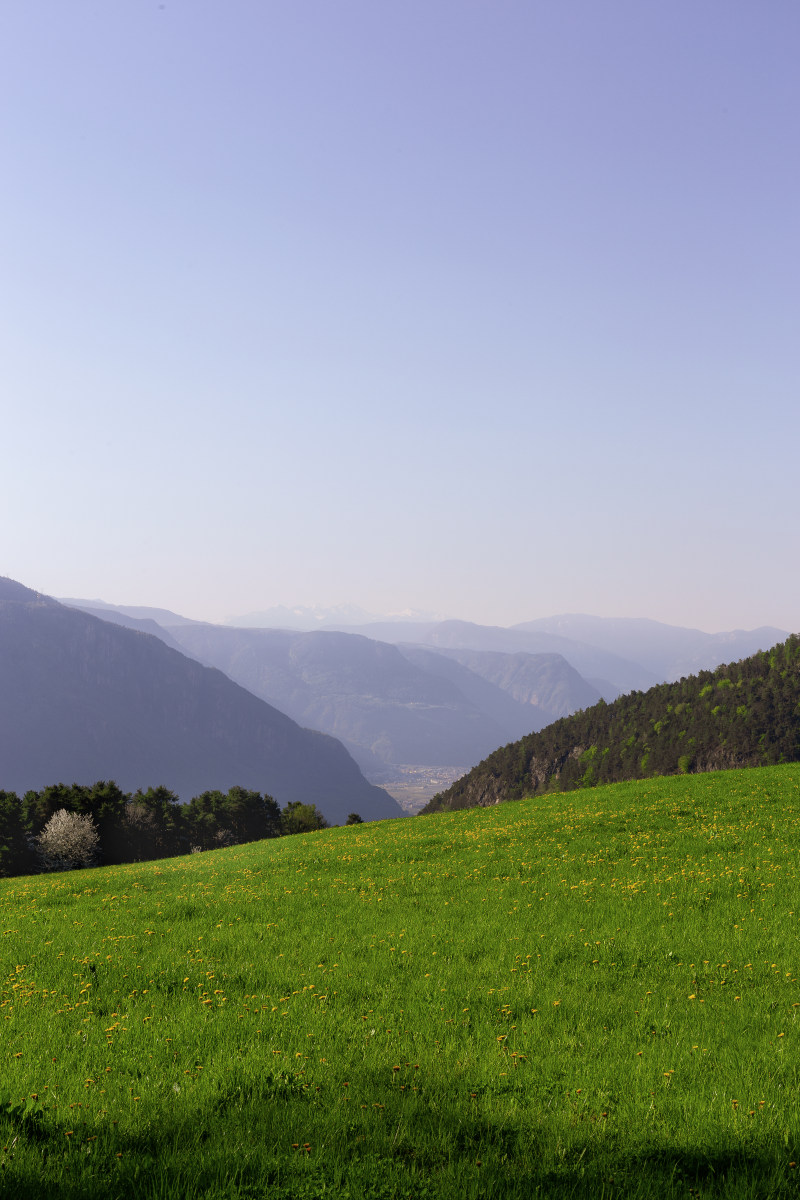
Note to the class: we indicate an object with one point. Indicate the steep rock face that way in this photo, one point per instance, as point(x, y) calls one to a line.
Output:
point(545, 683)
point(84, 699)
point(514, 716)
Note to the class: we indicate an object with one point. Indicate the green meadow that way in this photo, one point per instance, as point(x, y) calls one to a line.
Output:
point(590, 994)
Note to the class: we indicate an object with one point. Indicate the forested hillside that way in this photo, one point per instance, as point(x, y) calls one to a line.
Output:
point(743, 714)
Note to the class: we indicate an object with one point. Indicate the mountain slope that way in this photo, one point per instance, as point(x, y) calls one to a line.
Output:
point(545, 683)
point(386, 707)
point(141, 624)
point(140, 612)
point(516, 717)
point(85, 699)
point(401, 705)
point(743, 714)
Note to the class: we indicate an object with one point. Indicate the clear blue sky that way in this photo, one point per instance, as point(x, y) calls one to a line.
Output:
point(484, 308)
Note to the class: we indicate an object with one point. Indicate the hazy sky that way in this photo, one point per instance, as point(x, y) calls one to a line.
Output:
point(484, 308)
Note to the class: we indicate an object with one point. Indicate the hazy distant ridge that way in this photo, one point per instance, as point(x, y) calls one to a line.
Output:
point(385, 704)
point(667, 651)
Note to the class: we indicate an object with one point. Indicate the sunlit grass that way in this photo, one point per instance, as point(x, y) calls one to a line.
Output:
point(589, 994)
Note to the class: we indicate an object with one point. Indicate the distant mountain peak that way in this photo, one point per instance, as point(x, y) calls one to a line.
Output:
point(305, 617)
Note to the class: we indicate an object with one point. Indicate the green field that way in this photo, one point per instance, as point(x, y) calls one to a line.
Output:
point(588, 994)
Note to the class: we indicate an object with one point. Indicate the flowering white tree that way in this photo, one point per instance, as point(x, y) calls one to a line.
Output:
point(68, 840)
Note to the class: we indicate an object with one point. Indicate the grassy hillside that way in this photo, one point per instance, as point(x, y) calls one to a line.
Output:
point(592, 994)
point(744, 714)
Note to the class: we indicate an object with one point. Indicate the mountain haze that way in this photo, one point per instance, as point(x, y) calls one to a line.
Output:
point(141, 612)
point(667, 651)
point(389, 704)
point(140, 624)
point(474, 680)
point(609, 673)
point(85, 699)
point(384, 705)
point(543, 683)
point(339, 618)
point(407, 695)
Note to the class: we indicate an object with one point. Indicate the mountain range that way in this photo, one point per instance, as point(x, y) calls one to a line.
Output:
point(389, 704)
point(415, 694)
point(84, 699)
point(302, 618)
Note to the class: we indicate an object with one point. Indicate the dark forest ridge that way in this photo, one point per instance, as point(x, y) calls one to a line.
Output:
point(743, 714)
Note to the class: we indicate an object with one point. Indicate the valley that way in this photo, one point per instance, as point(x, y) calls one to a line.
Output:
point(415, 701)
point(413, 786)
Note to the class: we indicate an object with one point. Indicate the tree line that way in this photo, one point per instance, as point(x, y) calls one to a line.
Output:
point(740, 715)
point(66, 826)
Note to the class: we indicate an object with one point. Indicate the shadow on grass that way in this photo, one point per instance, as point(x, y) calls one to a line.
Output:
point(472, 1159)
point(663, 1174)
